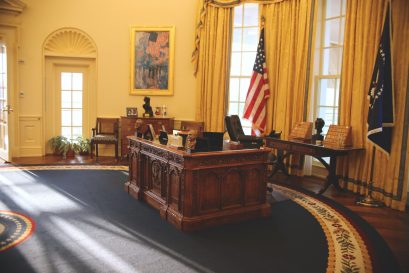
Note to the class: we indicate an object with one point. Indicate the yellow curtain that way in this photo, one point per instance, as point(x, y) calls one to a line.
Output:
point(201, 18)
point(287, 28)
point(364, 22)
point(212, 67)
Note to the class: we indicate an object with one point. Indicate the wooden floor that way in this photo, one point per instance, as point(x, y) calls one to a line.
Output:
point(391, 224)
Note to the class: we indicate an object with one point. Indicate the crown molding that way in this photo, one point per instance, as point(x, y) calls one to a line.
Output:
point(12, 6)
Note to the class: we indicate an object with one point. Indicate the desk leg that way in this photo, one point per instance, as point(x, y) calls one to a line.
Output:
point(279, 165)
point(332, 177)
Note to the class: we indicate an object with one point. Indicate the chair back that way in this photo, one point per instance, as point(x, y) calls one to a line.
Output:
point(233, 126)
point(107, 126)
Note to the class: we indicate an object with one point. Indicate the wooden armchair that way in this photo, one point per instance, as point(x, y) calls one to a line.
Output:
point(106, 131)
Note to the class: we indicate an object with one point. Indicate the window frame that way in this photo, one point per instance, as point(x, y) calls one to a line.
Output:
point(322, 47)
point(245, 123)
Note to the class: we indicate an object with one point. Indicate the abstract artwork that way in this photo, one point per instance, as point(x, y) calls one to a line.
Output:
point(152, 53)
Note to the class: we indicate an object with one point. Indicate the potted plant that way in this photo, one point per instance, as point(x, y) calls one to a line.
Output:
point(82, 145)
point(62, 145)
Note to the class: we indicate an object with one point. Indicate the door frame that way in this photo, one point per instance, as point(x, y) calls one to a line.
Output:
point(9, 36)
point(52, 66)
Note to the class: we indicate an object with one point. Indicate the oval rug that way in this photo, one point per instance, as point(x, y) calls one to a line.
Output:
point(86, 222)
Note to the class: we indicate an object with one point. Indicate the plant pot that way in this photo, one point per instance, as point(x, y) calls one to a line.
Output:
point(70, 154)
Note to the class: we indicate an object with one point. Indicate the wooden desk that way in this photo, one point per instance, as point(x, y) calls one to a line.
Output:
point(199, 190)
point(287, 147)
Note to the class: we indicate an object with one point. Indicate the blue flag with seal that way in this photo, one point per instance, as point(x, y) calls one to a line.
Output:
point(381, 101)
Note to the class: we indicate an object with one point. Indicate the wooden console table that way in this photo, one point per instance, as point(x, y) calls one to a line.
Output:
point(127, 125)
point(288, 147)
point(199, 190)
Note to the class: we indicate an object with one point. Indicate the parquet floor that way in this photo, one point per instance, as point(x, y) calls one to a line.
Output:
point(391, 224)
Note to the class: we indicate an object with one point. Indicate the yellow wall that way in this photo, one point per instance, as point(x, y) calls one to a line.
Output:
point(108, 24)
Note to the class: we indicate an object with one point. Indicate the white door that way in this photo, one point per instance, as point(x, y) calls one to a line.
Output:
point(70, 99)
point(5, 108)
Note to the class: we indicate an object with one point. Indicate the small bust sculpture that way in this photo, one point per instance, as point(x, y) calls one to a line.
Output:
point(319, 124)
point(191, 141)
point(148, 108)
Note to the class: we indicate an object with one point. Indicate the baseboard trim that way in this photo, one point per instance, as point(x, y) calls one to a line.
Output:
point(30, 151)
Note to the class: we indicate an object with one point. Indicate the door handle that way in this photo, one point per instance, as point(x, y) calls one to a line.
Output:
point(8, 109)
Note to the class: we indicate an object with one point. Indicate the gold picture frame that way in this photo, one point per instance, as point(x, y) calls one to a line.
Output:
point(152, 58)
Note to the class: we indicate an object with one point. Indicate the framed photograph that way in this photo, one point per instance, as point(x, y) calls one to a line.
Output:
point(131, 112)
point(152, 58)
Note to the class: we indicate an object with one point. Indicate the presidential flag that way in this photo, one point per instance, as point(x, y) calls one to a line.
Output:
point(258, 92)
point(381, 104)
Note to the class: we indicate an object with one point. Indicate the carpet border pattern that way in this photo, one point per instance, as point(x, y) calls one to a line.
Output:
point(347, 251)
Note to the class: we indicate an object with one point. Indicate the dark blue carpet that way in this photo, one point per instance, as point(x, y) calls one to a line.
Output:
point(86, 222)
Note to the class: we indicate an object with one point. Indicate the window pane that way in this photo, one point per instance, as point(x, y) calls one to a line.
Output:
point(327, 113)
point(238, 16)
point(65, 99)
point(251, 15)
point(236, 39)
point(248, 63)
point(66, 81)
point(66, 131)
point(247, 130)
point(76, 132)
point(77, 99)
point(332, 32)
point(327, 92)
point(76, 81)
point(234, 89)
point(333, 8)
point(250, 39)
point(245, 123)
point(331, 64)
point(337, 92)
point(344, 7)
point(244, 87)
point(342, 30)
point(235, 64)
point(77, 117)
point(339, 60)
point(233, 108)
point(65, 117)
point(241, 110)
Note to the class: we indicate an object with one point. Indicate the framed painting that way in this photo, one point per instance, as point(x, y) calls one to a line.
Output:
point(152, 57)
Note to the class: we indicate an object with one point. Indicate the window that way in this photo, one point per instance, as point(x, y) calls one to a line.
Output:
point(243, 54)
point(71, 104)
point(328, 60)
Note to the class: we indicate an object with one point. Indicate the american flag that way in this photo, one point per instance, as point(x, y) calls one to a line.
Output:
point(255, 105)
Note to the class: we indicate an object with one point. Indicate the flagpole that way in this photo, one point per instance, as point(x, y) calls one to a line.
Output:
point(368, 200)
